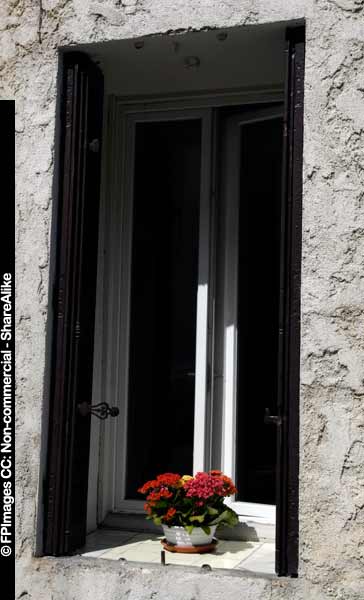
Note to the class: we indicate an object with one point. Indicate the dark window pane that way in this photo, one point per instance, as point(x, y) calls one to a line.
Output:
point(163, 300)
point(259, 232)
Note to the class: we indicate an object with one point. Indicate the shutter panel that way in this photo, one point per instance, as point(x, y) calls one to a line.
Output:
point(74, 310)
point(289, 318)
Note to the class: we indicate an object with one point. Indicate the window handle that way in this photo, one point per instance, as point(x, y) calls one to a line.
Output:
point(101, 410)
point(271, 419)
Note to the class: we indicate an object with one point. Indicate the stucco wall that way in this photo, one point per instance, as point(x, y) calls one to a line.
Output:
point(332, 389)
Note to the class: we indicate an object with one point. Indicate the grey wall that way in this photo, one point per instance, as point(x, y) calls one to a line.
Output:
point(332, 386)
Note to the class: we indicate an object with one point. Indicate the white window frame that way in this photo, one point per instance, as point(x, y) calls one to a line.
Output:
point(113, 308)
point(226, 363)
point(131, 119)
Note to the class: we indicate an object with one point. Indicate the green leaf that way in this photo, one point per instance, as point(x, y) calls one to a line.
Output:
point(206, 529)
point(212, 511)
point(221, 517)
point(198, 518)
point(161, 504)
point(228, 517)
point(189, 528)
point(157, 520)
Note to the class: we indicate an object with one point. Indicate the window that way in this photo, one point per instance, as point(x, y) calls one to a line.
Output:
point(197, 297)
point(199, 271)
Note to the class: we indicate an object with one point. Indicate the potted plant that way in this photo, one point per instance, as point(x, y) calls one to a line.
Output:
point(189, 508)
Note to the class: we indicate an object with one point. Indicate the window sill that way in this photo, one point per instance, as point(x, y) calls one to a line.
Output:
point(235, 556)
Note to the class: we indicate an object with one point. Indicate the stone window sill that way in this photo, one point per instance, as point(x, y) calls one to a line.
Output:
point(255, 557)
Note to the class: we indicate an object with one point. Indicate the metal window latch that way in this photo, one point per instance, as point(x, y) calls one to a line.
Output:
point(101, 410)
point(271, 419)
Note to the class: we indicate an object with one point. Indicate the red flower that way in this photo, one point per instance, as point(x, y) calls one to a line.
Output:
point(149, 485)
point(203, 486)
point(147, 508)
point(206, 485)
point(169, 494)
point(169, 514)
point(170, 479)
point(157, 495)
point(228, 485)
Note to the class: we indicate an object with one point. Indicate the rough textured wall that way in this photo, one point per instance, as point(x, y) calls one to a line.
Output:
point(332, 390)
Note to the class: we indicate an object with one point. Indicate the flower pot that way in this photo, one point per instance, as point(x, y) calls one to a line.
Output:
point(180, 537)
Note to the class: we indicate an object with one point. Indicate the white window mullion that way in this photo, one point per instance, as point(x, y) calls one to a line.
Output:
point(231, 237)
point(200, 380)
point(201, 428)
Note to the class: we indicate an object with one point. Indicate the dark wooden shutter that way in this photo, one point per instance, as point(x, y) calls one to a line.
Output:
point(289, 320)
point(74, 305)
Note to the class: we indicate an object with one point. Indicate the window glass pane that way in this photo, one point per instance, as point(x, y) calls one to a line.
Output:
point(257, 360)
point(163, 300)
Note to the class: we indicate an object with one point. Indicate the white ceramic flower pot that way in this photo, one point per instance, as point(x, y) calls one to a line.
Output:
point(179, 536)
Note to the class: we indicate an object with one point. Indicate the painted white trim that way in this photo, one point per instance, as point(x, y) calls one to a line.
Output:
point(112, 250)
point(95, 435)
point(262, 513)
point(230, 285)
point(102, 433)
point(124, 156)
point(201, 433)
